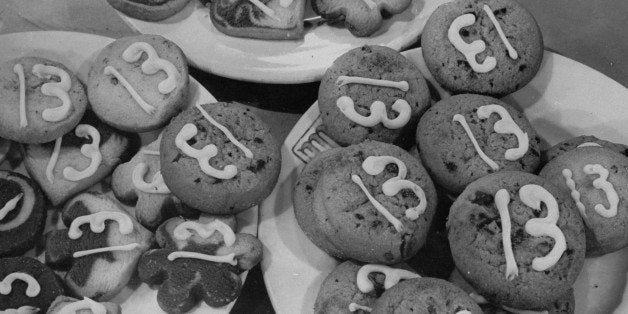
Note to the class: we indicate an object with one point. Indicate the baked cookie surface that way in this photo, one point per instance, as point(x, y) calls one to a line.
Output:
point(63, 304)
point(582, 141)
point(149, 10)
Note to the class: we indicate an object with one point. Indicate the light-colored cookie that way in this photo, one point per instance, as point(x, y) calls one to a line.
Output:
point(149, 10)
point(63, 304)
point(582, 141)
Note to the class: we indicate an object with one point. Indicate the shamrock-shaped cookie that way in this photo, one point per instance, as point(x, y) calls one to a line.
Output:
point(101, 247)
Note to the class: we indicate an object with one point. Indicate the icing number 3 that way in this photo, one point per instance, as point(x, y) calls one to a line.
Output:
point(471, 50)
point(91, 151)
point(531, 195)
point(156, 185)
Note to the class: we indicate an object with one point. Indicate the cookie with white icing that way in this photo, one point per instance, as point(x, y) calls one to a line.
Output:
point(77, 160)
point(371, 202)
point(362, 17)
point(582, 141)
point(63, 304)
point(27, 285)
point(138, 83)
point(22, 214)
point(100, 248)
point(596, 178)
point(219, 158)
point(515, 236)
point(491, 47)
point(40, 100)
point(149, 10)
point(465, 137)
point(372, 92)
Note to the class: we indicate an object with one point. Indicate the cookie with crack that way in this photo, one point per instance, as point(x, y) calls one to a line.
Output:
point(362, 17)
point(149, 10)
point(22, 214)
point(77, 160)
point(63, 304)
point(40, 100)
point(27, 285)
point(100, 248)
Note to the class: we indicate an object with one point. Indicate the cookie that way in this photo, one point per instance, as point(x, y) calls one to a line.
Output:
point(596, 178)
point(138, 83)
point(219, 158)
point(5, 146)
point(40, 100)
point(491, 47)
point(362, 18)
point(514, 236)
point(149, 10)
point(63, 304)
point(100, 249)
point(465, 137)
point(582, 141)
point(22, 214)
point(27, 285)
point(425, 295)
point(371, 202)
point(372, 92)
point(76, 161)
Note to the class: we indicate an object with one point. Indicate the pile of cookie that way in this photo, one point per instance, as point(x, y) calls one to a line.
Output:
point(414, 190)
point(136, 176)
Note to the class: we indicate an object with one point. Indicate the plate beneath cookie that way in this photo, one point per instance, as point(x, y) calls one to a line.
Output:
point(76, 50)
point(283, 61)
point(565, 99)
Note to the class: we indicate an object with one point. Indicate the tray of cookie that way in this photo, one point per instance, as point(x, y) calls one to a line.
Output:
point(476, 174)
point(125, 186)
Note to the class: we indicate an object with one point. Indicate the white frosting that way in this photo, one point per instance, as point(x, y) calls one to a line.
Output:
point(375, 165)
point(464, 312)
point(589, 144)
point(148, 108)
point(32, 290)
point(460, 119)
point(57, 89)
point(393, 276)
point(229, 258)
point(247, 152)
point(506, 125)
point(182, 231)
point(517, 311)
point(96, 222)
point(153, 64)
point(126, 247)
point(10, 205)
point(469, 50)
point(156, 185)
point(268, 11)
point(53, 160)
point(602, 183)
point(91, 151)
point(380, 208)
point(532, 195)
point(285, 3)
point(354, 307)
point(85, 304)
point(502, 199)
point(378, 113)
point(19, 70)
point(26, 309)
point(28, 199)
point(202, 155)
point(575, 195)
point(478, 298)
point(150, 152)
point(344, 80)
point(512, 53)
point(371, 4)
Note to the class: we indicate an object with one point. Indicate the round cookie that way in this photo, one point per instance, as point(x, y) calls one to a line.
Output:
point(425, 296)
point(348, 103)
point(63, 304)
point(27, 285)
point(449, 153)
point(596, 178)
point(512, 211)
point(151, 68)
point(489, 64)
point(582, 141)
point(39, 116)
point(207, 170)
point(334, 211)
point(149, 10)
point(22, 214)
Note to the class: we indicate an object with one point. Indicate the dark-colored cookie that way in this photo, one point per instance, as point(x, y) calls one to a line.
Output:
point(208, 183)
point(582, 141)
point(96, 222)
point(149, 10)
point(5, 146)
point(26, 283)
point(448, 151)
point(596, 178)
point(333, 210)
point(540, 263)
point(162, 90)
point(44, 117)
point(425, 296)
point(22, 214)
point(62, 304)
point(499, 70)
point(339, 97)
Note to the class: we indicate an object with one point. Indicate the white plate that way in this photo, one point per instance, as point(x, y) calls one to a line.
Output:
point(76, 51)
point(278, 61)
point(565, 99)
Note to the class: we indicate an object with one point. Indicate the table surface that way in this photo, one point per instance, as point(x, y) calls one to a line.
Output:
point(590, 32)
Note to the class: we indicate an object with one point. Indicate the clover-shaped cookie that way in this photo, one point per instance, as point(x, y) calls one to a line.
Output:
point(101, 247)
point(362, 17)
point(63, 304)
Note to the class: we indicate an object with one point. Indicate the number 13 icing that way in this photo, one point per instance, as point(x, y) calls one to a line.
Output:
point(91, 151)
